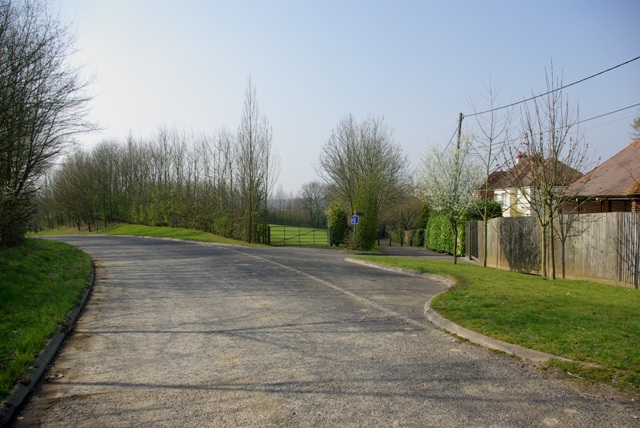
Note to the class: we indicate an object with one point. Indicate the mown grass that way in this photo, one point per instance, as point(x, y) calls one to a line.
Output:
point(584, 321)
point(294, 235)
point(152, 231)
point(40, 283)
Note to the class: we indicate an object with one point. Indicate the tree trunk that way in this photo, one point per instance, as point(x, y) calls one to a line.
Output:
point(454, 226)
point(485, 234)
point(552, 246)
point(544, 250)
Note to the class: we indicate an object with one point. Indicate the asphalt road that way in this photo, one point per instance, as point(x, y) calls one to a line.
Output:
point(188, 334)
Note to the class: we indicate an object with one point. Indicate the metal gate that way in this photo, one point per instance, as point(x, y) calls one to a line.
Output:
point(280, 235)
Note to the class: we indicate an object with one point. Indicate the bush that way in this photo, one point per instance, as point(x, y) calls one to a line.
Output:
point(338, 224)
point(439, 235)
point(424, 217)
point(475, 212)
point(418, 238)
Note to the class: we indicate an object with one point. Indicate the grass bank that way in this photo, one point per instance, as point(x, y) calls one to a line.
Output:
point(153, 231)
point(40, 283)
point(584, 321)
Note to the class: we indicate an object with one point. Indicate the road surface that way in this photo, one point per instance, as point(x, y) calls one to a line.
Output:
point(189, 334)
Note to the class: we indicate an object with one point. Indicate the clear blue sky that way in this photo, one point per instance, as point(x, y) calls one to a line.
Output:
point(417, 63)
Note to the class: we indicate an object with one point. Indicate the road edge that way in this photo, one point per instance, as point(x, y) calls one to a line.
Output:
point(452, 328)
point(13, 403)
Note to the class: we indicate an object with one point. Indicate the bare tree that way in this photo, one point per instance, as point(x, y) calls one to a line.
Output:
point(257, 166)
point(363, 168)
point(547, 159)
point(75, 189)
point(42, 105)
point(105, 164)
point(448, 180)
point(404, 214)
point(312, 198)
point(494, 126)
point(635, 128)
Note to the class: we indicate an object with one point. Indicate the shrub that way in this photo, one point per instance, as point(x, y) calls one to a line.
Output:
point(475, 212)
point(439, 235)
point(338, 224)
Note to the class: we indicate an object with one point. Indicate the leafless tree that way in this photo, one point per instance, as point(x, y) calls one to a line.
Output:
point(256, 166)
point(105, 160)
point(549, 157)
point(635, 128)
point(493, 126)
point(313, 199)
point(42, 105)
point(75, 189)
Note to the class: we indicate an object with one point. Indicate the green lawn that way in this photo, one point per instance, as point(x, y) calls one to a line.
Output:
point(580, 320)
point(39, 284)
point(295, 235)
point(139, 230)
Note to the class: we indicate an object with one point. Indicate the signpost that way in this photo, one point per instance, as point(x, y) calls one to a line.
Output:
point(355, 219)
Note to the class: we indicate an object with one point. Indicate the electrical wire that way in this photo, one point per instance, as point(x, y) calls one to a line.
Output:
point(607, 114)
point(554, 90)
point(502, 143)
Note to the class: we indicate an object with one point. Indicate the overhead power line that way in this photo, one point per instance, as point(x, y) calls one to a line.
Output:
point(573, 124)
point(607, 114)
point(554, 90)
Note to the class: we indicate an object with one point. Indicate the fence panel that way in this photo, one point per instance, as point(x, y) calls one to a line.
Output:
point(602, 246)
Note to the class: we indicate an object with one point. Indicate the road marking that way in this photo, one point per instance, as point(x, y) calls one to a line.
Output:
point(360, 299)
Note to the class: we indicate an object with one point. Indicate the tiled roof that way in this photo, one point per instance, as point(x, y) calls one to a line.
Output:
point(618, 176)
point(523, 174)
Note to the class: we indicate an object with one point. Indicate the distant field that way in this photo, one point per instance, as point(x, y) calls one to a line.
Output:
point(295, 235)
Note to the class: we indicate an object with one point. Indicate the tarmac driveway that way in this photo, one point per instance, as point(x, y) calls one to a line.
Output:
point(187, 334)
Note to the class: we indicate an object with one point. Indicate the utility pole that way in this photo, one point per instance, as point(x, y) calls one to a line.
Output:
point(460, 129)
point(456, 184)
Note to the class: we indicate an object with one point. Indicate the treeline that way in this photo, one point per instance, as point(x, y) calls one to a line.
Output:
point(42, 106)
point(307, 208)
point(219, 183)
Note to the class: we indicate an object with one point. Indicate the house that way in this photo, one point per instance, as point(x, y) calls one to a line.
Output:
point(486, 192)
point(613, 186)
point(512, 187)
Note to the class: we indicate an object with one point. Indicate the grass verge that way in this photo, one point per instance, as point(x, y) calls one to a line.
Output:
point(153, 231)
point(584, 321)
point(40, 283)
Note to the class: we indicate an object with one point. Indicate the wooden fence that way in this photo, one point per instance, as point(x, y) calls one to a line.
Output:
point(604, 247)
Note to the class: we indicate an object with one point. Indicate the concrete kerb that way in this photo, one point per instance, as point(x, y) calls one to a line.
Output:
point(21, 392)
point(453, 328)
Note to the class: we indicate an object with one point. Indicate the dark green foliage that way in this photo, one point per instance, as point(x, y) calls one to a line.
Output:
point(476, 211)
point(424, 217)
point(339, 224)
point(418, 238)
point(439, 235)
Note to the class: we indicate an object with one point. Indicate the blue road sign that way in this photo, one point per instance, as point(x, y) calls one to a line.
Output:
point(355, 219)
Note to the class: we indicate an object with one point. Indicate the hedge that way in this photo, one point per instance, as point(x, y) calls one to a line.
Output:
point(439, 235)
